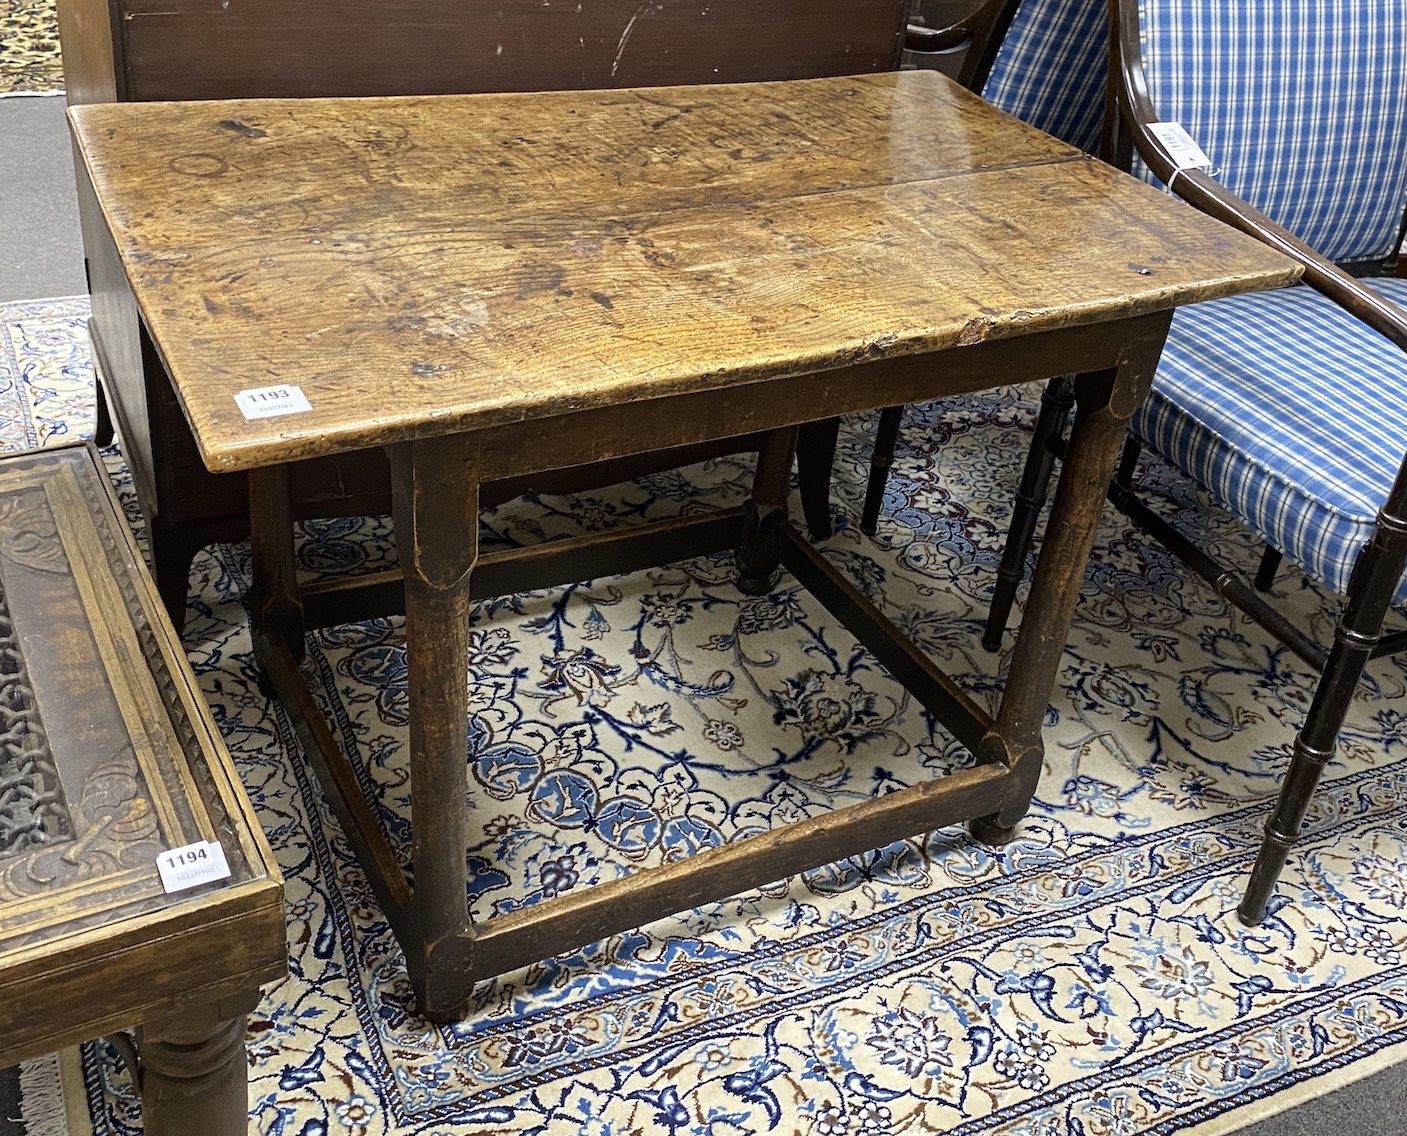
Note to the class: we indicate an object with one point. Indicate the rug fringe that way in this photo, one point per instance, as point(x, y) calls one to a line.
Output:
point(42, 1097)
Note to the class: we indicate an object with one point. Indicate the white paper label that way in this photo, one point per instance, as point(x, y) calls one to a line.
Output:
point(1181, 147)
point(197, 863)
point(270, 402)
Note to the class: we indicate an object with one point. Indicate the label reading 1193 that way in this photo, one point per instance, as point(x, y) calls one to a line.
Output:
point(1182, 148)
point(192, 864)
point(271, 402)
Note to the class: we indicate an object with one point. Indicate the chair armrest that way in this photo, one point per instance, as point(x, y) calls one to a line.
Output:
point(920, 37)
point(981, 29)
point(1205, 193)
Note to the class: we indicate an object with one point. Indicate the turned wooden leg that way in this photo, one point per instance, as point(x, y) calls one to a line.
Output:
point(886, 438)
point(759, 551)
point(435, 494)
point(194, 1075)
point(815, 459)
point(1370, 590)
point(1105, 401)
point(1056, 401)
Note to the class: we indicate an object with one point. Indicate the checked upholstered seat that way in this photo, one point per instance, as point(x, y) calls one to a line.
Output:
point(1252, 400)
point(1283, 404)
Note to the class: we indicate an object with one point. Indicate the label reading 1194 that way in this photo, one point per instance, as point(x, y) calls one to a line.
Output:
point(192, 864)
point(271, 402)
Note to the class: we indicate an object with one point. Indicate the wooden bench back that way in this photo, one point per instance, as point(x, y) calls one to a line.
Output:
point(372, 47)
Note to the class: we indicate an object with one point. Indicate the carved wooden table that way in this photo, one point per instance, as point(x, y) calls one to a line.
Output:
point(109, 759)
point(493, 284)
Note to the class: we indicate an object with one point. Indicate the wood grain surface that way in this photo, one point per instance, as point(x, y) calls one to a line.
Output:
point(424, 265)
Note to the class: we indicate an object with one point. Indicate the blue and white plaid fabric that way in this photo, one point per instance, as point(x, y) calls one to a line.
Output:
point(1051, 68)
point(1291, 412)
point(1301, 104)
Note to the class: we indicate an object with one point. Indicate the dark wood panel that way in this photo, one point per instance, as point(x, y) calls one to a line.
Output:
point(362, 47)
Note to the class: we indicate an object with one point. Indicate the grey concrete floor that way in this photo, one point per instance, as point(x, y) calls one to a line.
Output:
point(41, 255)
point(40, 251)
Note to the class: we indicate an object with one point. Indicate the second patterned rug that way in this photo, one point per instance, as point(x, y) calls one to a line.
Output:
point(29, 47)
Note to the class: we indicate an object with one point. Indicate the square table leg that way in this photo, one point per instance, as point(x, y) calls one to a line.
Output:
point(435, 499)
point(759, 549)
point(275, 608)
point(435, 506)
point(1105, 400)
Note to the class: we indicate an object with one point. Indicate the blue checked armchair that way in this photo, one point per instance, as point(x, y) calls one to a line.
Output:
point(1289, 407)
point(1046, 63)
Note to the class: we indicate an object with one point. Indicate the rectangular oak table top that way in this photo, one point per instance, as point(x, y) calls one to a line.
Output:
point(420, 266)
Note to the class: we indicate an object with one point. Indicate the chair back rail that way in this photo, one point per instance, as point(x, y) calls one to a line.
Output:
point(987, 31)
point(1259, 202)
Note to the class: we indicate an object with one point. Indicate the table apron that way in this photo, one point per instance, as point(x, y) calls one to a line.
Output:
point(600, 433)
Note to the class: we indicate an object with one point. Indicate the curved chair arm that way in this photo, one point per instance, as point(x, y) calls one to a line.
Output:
point(920, 37)
point(1205, 193)
point(981, 30)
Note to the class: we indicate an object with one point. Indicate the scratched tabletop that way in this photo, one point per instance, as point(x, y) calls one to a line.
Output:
point(417, 266)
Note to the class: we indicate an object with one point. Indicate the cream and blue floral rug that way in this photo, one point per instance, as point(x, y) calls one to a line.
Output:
point(1091, 978)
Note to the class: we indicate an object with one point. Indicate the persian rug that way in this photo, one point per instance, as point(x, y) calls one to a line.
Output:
point(1089, 978)
point(29, 47)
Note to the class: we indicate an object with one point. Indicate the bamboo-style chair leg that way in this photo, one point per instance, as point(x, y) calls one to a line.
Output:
point(1370, 590)
point(1270, 561)
point(886, 439)
point(1056, 402)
